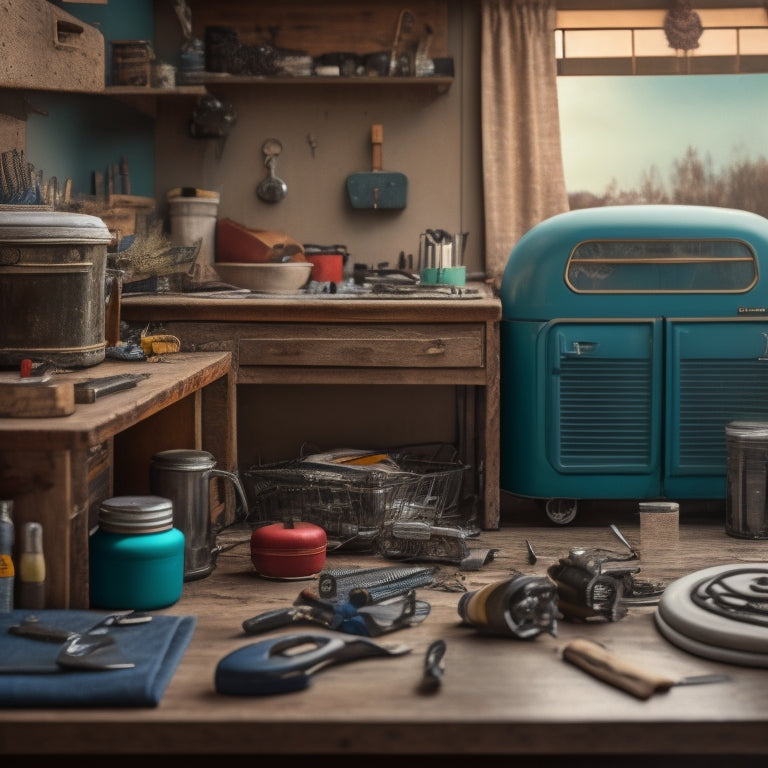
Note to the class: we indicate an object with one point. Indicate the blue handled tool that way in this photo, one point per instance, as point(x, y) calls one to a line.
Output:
point(286, 663)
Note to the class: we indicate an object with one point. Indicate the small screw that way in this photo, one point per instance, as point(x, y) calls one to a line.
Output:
point(531, 554)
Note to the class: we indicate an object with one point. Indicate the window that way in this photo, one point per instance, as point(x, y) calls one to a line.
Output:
point(633, 42)
point(661, 266)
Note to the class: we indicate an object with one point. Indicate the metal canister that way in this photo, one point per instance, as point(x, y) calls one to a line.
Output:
point(184, 476)
point(746, 499)
point(53, 269)
point(136, 555)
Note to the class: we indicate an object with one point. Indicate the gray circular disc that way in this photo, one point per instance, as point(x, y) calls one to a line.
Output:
point(680, 613)
point(713, 652)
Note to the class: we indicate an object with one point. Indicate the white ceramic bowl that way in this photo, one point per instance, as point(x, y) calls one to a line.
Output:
point(281, 277)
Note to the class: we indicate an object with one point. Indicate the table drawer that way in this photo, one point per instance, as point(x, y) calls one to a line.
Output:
point(374, 346)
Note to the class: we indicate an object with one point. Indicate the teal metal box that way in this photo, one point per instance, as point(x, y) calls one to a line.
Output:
point(630, 336)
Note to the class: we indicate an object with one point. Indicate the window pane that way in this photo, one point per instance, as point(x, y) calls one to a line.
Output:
point(659, 266)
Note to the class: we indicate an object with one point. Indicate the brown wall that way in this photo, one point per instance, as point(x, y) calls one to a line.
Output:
point(433, 138)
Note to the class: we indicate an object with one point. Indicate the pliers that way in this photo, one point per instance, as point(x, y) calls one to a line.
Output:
point(367, 621)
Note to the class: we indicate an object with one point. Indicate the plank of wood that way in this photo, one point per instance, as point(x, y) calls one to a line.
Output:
point(349, 26)
point(37, 400)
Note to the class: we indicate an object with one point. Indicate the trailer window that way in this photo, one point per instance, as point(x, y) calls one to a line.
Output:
point(661, 266)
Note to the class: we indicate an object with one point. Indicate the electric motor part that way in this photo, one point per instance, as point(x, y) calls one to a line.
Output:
point(521, 606)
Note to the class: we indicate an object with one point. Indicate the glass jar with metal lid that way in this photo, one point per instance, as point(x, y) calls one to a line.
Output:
point(136, 555)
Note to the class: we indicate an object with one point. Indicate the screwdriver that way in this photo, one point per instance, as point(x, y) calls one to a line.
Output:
point(596, 661)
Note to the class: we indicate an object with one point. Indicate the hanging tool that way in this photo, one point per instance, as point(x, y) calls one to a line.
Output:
point(271, 189)
point(377, 189)
point(598, 662)
point(398, 60)
point(286, 663)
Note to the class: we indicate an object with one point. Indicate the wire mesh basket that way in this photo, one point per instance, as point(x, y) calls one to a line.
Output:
point(354, 502)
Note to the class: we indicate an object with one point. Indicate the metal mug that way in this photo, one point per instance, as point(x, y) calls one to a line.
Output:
point(184, 476)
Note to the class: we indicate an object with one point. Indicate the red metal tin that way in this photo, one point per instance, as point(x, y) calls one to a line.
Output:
point(295, 550)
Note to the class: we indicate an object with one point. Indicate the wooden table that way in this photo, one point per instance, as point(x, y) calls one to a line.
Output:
point(500, 696)
point(58, 470)
point(344, 340)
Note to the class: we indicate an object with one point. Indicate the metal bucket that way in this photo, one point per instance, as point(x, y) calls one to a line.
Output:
point(746, 514)
point(52, 288)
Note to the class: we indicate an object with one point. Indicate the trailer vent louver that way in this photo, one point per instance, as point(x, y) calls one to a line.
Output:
point(712, 394)
point(605, 413)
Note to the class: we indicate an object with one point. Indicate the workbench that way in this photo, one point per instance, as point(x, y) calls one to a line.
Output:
point(499, 695)
point(307, 341)
point(58, 470)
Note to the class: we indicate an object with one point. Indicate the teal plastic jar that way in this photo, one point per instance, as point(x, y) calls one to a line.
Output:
point(136, 555)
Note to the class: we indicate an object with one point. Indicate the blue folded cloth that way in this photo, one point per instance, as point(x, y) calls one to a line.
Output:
point(155, 647)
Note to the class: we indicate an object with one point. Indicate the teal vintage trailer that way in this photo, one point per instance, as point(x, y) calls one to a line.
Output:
point(630, 337)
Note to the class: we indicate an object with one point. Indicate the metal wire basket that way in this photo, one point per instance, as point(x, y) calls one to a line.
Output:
point(353, 504)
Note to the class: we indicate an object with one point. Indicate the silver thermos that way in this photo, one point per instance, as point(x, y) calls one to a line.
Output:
point(184, 476)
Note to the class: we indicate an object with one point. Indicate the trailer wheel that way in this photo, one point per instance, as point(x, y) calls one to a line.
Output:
point(562, 511)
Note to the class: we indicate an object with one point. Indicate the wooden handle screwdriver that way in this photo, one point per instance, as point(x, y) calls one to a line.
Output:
point(634, 679)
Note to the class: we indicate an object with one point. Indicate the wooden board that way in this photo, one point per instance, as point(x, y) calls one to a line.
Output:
point(342, 26)
point(41, 400)
point(47, 48)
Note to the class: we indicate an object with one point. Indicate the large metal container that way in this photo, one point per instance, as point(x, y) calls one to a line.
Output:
point(52, 287)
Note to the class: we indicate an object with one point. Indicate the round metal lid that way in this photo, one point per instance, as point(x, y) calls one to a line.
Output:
point(658, 506)
point(136, 514)
point(746, 430)
point(52, 226)
point(184, 459)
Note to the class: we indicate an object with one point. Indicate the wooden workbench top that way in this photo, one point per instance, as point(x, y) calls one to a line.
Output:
point(499, 695)
point(476, 304)
point(178, 375)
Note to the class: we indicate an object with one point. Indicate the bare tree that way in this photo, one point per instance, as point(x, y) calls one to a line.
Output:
point(693, 181)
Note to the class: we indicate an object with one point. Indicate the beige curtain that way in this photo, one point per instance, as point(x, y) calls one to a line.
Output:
point(523, 176)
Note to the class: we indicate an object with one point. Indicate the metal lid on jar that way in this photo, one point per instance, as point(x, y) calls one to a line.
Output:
point(184, 459)
point(659, 506)
point(136, 514)
point(746, 430)
point(45, 227)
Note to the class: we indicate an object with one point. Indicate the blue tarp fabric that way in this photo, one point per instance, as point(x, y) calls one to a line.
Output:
point(155, 647)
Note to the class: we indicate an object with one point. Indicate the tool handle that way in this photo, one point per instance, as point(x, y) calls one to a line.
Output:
point(88, 391)
point(42, 632)
point(264, 622)
point(597, 662)
point(377, 140)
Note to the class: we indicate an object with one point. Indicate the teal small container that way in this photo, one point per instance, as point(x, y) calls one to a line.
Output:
point(136, 555)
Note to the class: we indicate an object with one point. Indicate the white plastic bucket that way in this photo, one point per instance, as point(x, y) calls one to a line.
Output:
point(193, 219)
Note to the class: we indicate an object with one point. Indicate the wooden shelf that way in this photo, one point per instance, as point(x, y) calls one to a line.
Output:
point(142, 90)
point(144, 99)
point(441, 82)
